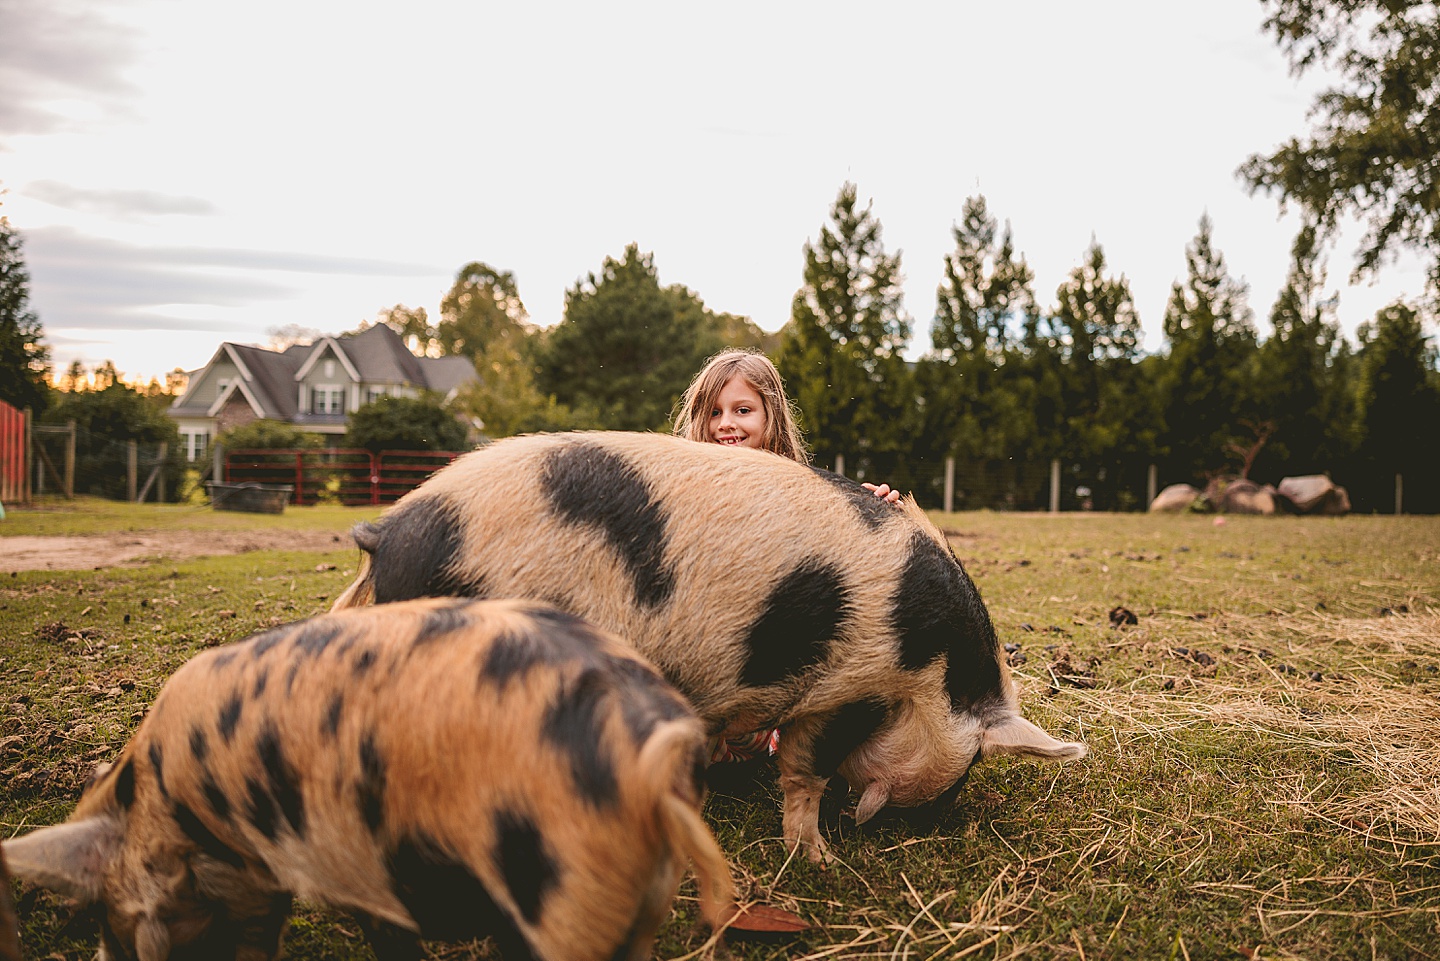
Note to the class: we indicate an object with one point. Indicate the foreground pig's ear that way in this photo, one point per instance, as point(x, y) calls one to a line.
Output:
point(875, 796)
point(1015, 735)
point(68, 858)
point(152, 939)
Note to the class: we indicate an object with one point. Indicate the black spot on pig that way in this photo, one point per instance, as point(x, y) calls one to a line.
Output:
point(260, 680)
point(331, 724)
point(527, 867)
point(316, 635)
point(849, 727)
point(284, 784)
point(872, 510)
point(363, 662)
point(371, 788)
point(440, 623)
point(260, 808)
point(591, 487)
point(205, 839)
point(125, 786)
point(801, 615)
point(646, 699)
point(509, 656)
point(937, 611)
point(413, 550)
point(199, 744)
point(573, 724)
point(269, 639)
point(216, 798)
point(157, 764)
point(447, 901)
point(229, 717)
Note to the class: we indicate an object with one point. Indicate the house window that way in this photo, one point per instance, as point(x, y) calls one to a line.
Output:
point(373, 394)
point(197, 443)
point(327, 400)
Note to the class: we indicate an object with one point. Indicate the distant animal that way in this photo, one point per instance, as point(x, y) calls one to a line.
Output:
point(771, 594)
point(443, 769)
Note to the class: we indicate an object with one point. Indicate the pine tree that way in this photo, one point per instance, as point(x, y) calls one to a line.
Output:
point(1207, 401)
point(1299, 386)
point(1399, 411)
point(1109, 427)
point(24, 356)
point(841, 352)
point(627, 347)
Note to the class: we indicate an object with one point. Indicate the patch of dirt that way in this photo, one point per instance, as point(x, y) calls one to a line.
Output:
point(132, 549)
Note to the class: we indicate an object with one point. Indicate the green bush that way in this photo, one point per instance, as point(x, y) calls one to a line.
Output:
point(405, 423)
point(268, 434)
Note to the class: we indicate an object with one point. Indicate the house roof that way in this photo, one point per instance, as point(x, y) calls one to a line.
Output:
point(375, 355)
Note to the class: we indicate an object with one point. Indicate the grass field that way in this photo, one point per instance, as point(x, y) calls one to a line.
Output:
point(1263, 779)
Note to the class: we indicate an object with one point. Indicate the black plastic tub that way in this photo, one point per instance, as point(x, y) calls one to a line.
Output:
point(251, 498)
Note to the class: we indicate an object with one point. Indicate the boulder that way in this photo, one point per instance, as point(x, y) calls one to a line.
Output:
point(1175, 499)
point(1240, 495)
point(1315, 494)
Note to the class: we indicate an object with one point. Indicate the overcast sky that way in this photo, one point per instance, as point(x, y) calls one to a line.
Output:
point(188, 173)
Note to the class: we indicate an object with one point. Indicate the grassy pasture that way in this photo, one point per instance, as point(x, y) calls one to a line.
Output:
point(1263, 779)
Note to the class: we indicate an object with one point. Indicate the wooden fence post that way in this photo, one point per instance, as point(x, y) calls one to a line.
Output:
point(1399, 493)
point(949, 485)
point(1152, 479)
point(1055, 485)
point(132, 468)
point(840, 464)
point(70, 462)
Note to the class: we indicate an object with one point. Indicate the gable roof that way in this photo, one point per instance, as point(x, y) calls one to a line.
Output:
point(381, 357)
point(375, 355)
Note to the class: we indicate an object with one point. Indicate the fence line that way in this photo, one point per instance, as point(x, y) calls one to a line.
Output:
point(345, 475)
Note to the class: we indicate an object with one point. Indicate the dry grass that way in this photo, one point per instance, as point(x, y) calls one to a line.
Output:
point(1263, 780)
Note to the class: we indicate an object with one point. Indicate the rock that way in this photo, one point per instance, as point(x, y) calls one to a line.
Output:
point(1240, 495)
point(1315, 494)
point(1175, 499)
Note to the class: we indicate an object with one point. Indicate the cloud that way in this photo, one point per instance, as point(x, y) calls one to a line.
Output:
point(120, 204)
point(58, 51)
point(96, 283)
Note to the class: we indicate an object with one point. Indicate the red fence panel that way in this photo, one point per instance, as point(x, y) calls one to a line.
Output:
point(13, 461)
point(345, 475)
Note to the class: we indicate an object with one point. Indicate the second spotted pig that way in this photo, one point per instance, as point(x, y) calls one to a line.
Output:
point(443, 769)
point(770, 594)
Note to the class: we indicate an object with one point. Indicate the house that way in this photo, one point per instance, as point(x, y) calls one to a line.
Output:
point(312, 386)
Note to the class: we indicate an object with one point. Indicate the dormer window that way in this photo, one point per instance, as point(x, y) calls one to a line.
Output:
point(328, 400)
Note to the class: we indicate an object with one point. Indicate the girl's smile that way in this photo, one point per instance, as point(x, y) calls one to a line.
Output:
point(738, 418)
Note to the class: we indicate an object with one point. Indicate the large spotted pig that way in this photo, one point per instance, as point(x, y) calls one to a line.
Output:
point(771, 594)
point(441, 768)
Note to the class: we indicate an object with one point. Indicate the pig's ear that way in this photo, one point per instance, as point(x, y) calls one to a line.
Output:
point(874, 797)
point(1015, 735)
point(68, 858)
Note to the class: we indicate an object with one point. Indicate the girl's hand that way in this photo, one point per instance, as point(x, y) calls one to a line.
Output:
point(884, 492)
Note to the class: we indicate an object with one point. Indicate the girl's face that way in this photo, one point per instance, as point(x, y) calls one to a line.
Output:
point(738, 418)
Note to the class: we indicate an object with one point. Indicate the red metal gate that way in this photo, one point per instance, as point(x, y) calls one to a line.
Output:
point(345, 475)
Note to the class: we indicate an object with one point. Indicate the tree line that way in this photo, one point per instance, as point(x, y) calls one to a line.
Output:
point(1009, 381)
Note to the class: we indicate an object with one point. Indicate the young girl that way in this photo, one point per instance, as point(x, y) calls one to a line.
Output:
point(737, 399)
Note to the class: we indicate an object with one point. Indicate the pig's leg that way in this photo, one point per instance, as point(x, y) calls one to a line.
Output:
point(802, 788)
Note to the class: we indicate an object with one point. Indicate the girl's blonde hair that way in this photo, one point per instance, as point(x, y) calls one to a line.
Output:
point(782, 435)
